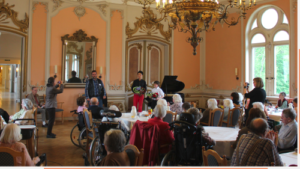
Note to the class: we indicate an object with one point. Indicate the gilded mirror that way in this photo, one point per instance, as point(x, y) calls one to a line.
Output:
point(78, 59)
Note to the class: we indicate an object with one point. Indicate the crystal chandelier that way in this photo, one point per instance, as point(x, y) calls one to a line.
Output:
point(195, 16)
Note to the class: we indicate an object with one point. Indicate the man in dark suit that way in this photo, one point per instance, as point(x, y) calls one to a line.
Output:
point(74, 79)
point(95, 109)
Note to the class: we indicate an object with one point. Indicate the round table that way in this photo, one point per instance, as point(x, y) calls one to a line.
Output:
point(289, 158)
point(275, 114)
point(126, 118)
point(224, 137)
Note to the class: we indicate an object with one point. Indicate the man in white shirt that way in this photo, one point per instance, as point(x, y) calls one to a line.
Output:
point(160, 94)
point(288, 131)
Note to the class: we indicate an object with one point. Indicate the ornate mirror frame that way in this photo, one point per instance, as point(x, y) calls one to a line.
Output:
point(78, 36)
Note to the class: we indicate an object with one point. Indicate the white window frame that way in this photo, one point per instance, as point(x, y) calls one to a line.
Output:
point(269, 47)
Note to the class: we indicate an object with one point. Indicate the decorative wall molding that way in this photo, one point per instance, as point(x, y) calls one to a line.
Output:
point(117, 10)
point(102, 8)
point(115, 87)
point(42, 3)
point(201, 86)
point(39, 87)
point(57, 4)
point(7, 12)
point(238, 88)
point(79, 36)
point(79, 11)
point(148, 24)
point(295, 3)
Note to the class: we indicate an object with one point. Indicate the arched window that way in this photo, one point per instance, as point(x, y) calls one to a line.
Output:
point(268, 47)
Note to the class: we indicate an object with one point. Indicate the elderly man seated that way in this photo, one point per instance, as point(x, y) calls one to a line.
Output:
point(256, 148)
point(114, 143)
point(25, 113)
point(34, 98)
point(288, 131)
point(94, 108)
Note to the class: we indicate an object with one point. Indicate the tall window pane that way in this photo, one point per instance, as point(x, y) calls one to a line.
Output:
point(259, 62)
point(282, 74)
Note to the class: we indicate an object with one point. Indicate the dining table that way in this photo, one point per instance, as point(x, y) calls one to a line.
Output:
point(274, 114)
point(224, 137)
point(289, 159)
point(129, 120)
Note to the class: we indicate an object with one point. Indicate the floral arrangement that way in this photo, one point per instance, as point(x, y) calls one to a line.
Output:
point(139, 90)
point(153, 95)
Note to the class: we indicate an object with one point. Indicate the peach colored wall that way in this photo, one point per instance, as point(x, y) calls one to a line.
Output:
point(185, 65)
point(223, 55)
point(66, 22)
point(38, 48)
point(116, 29)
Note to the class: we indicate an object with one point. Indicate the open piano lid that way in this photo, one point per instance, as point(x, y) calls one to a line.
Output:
point(171, 86)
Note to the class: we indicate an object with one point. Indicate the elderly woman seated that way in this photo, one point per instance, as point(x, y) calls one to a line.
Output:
point(10, 138)
point(260, 106)
point(227, 106)
point(166, 135)
point(197, 116)
point(114, 142)
point(177, 106)
point(212, 104)
point(25, 113)
point(123, 125)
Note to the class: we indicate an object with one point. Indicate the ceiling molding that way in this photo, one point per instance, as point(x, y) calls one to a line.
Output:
point(117, 10)
point(102, 8)
point(79, 11)
point(57, 4)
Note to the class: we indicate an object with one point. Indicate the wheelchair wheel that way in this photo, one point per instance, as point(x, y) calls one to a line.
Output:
point(96, 151)
point(74, 135)
point(169, 159)
point(82, 139)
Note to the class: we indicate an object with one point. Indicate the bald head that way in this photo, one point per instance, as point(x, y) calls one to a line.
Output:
point(259, 126)
point(94, 101)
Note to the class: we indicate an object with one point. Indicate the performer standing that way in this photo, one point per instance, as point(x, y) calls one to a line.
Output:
point(51, 103)
point(138, 98)
point(158, 92)
point(95, 88)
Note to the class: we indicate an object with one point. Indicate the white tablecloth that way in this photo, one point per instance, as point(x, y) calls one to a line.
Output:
point(275, 114)
point(224, 137)
point(126, 118)
point(289, 158)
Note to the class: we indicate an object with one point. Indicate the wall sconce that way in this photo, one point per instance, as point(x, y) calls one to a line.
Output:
point(55, 71)
point(236, 74)
point(101, 71)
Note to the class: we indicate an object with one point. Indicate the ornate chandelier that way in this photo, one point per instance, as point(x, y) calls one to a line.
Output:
point(195, 16)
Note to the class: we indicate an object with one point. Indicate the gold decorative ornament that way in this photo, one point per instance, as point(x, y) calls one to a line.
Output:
point(148, 23)
point(79, 36)
point(6, 12)
point(195, 16)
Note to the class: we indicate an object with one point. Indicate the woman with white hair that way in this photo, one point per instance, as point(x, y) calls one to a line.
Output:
point(10, 138)
point(114, 143)
point(123, 125)
point(166, 135)
point(228, 104)
point(212, 104)
point(25, 113)
point(260, 106)
point(177, 106)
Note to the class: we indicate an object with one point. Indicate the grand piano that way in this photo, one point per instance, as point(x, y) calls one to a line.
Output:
point(171, 86)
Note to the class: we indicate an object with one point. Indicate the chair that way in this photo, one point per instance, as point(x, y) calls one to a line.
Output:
point(90, 130)
point(9, 156)
point(233, 117)
point(212, 158)
point(170, 117)
point(133, 151)
point(58, 109)
point(215, 118)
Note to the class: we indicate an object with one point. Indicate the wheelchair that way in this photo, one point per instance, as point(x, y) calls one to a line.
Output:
point(77, 135)
point(97, 151)
point(187, 147)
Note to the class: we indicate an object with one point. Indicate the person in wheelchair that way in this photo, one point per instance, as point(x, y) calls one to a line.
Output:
point(81, 106)
point(25, 113)
point(116, 110)
point(197, 116)
point(10, 138)
point(114, 143)
point(95, 109)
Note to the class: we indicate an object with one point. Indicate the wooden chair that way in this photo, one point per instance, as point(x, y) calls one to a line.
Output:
point(170, 117)
point(212, 158)
point(58, 109)
point(233, 117)
point(90, 129)
point(9, 156)
point(215, 118)
point(139, 155)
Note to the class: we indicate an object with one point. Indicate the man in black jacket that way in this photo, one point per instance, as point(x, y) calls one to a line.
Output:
point(74, 79)
point(95, 88)
point(139, 98)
